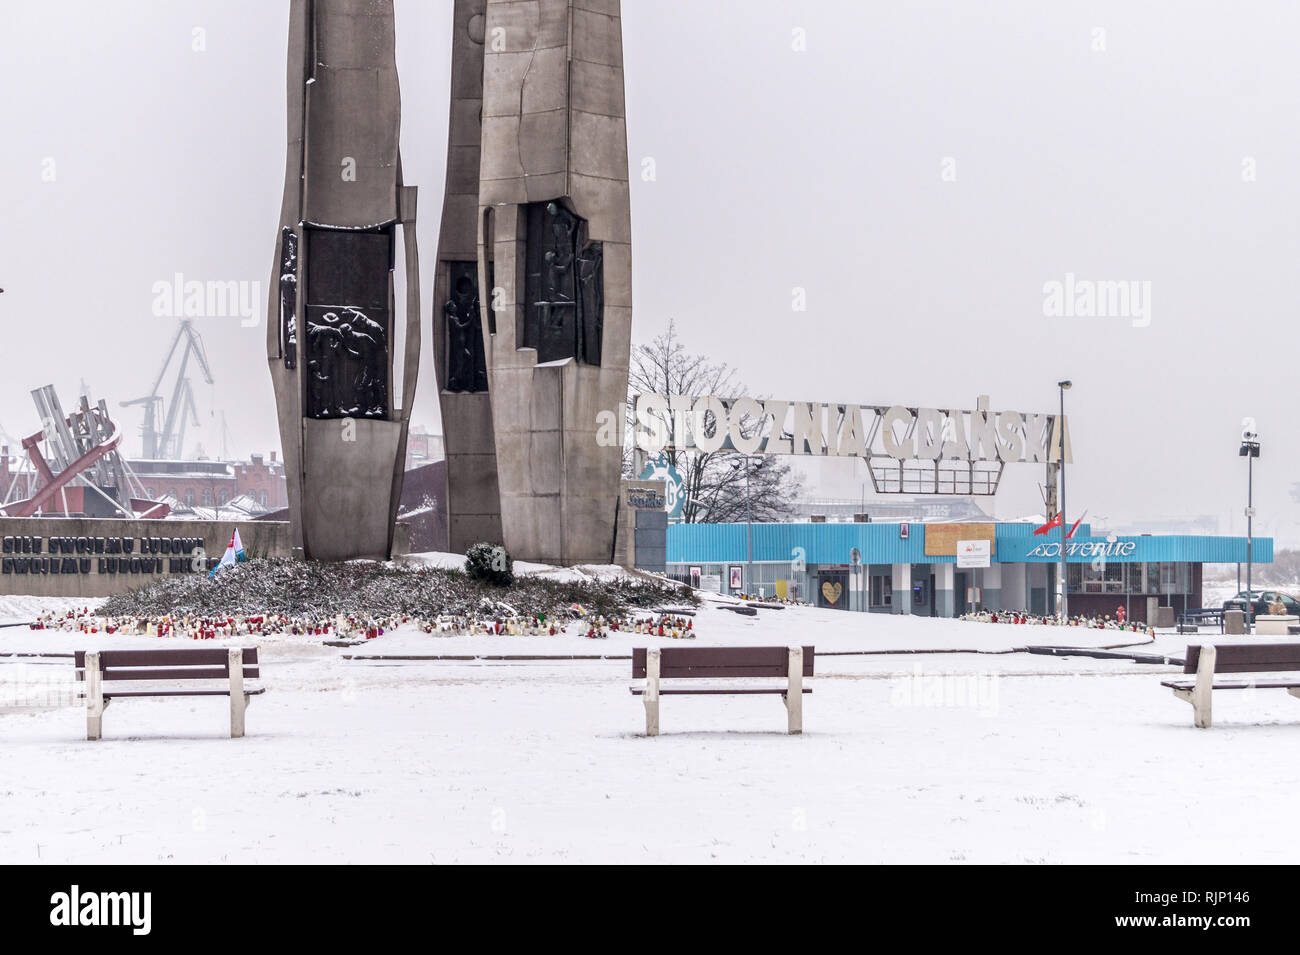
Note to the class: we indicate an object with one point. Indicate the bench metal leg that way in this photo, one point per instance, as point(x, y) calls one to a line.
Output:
point(651, 697)
point(94, 697)
point(238, 698)
point(794, 691)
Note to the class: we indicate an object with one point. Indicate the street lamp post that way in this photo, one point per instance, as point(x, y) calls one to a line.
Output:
point(1250, 451)
point(1064, 386)
point(749, 530)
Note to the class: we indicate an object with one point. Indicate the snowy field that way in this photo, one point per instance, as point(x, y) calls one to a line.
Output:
point(989, 756)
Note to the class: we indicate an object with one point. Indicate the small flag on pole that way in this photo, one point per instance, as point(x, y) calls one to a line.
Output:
point(233, 555)
point(1054, 522)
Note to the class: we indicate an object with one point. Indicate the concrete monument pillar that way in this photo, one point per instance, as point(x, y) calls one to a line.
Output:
point(462, 319)
point(334, 337)
point(553, 243)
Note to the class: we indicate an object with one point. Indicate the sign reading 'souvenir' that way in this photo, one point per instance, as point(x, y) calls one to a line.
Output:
point(749, 426)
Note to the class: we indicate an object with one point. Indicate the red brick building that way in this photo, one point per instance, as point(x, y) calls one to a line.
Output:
point(422, 448)
point(192, 483)
point(213, 483)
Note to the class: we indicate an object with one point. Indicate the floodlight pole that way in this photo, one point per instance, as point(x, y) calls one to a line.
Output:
point(1250, 451)
point(1250, 518)
point(1065, 580)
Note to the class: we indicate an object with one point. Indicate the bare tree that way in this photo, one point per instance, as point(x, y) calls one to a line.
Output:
point(715, 482)
point(1284, 570)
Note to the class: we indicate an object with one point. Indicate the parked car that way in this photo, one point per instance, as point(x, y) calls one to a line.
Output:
point(1262, 601)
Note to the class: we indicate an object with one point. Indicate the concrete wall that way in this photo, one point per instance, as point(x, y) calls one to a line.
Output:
point(642, 531)
point(991, 584)
point(1040, 601)
point(1015, 596)
point(946, 601)
point(902, 582)
point(203, 541)
point(193, 545)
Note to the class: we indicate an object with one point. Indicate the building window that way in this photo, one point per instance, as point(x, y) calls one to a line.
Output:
point(171, 492)
point(1168, 577)
point(1097, 578)
point(222, 496)
point(264, 499)
point(882, 591)
point(1136, 578)
point(189, 497)
point(207, 497)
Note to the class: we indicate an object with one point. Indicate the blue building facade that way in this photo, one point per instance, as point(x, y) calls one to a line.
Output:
point(912, 568)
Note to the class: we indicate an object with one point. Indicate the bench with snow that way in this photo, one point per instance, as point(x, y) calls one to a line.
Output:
point(1282, 660)
point(790, 664)
point(114, 674)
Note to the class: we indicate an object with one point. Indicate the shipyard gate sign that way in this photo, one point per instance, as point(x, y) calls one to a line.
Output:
point(907, 449)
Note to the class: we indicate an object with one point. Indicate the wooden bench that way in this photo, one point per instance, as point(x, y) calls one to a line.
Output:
point(198, 669)
point(1209, 660)
point(791, 664)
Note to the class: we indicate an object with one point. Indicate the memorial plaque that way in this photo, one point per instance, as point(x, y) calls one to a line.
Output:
point(347, 323)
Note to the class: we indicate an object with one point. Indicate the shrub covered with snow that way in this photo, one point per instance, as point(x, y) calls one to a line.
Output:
point(314, 590)
point(490, 563)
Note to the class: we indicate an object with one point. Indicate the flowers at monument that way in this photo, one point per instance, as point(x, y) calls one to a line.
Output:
point(492, 620)
point(213, 628)
point(1091, 623)
point(357, 628)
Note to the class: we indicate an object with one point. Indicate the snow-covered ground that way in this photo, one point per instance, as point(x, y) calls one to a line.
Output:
point(989, 756)
point(20, 609)
point(1215, 592)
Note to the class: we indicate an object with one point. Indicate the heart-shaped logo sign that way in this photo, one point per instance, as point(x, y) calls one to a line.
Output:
point(831, 591)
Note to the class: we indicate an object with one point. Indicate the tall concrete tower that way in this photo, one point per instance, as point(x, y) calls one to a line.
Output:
point(462, 325)
point(538, 106)
point(342, 360)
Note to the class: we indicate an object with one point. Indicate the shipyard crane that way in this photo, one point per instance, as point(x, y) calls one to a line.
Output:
point(169, 442)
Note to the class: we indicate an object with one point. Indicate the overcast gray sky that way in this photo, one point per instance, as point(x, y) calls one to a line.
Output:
point(921, 170)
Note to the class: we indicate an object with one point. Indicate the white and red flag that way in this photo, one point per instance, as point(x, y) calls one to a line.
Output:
point(1056, 522)
point(233, 555)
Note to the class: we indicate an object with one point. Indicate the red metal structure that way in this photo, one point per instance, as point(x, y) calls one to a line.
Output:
point(51, 483)
point(83, 446)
